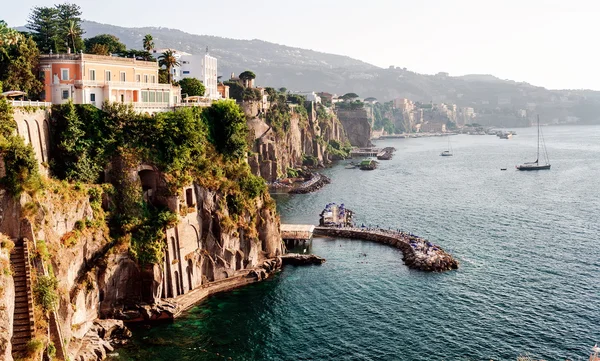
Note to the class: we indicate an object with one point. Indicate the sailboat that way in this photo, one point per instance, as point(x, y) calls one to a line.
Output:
point(537, 165)
point(448, 152)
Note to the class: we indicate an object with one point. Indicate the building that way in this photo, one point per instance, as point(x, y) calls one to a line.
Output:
point(404, 105)
point(94, 79)
point(202, 67)
point(223, 90)
point(310, 96)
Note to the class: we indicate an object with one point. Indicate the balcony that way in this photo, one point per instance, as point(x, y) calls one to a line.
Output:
point(29, 103)
point(123, 84)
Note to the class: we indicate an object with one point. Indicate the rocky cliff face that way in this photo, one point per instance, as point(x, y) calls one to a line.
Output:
point(98, 279)
point(358, 125)
point(276, 151)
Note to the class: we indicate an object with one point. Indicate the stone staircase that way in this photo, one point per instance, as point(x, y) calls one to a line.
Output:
point(23, 323)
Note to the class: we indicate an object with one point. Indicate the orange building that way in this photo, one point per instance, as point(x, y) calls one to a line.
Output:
point(93, 79)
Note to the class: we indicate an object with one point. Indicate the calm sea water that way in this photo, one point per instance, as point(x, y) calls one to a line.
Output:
point(528, 243)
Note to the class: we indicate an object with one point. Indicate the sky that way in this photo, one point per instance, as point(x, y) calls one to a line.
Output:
point(550, 43)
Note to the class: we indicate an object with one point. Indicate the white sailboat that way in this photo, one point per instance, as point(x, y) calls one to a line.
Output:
point(537, 165)
point(447, 152)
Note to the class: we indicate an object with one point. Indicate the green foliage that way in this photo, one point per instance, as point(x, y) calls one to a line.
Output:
point(51, 350)
point(110, 42)
point(292, 173)
point(141, 55)
point(147, 235)
point(148, 43)
point(192, 87)
point(309, 160)
point(43, 23)
point(350, 96)
point(168, 61)
point(253, 186)
point(56, 28)
point(279, 116)
point(18, 67)
point(296, 99)
point(350, 105)
point(45, 292)
point(247, 75)
point(227, 128)
point(35, 346)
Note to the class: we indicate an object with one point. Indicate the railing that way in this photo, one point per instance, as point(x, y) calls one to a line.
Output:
point(31, 103)
point(206, 103)
point(151, 105)
point(124, 84)
point(105, 58)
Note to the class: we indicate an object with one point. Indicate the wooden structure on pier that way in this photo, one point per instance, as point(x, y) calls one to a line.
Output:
point(296, 234)
point(300, 232)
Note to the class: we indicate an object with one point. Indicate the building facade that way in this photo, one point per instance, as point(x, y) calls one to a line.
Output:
point(93, 79)
point(202, 67)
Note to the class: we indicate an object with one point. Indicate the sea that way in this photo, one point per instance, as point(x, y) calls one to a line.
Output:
point(527, 242)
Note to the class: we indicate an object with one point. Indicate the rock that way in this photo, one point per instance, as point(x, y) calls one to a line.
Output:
point(301, 259)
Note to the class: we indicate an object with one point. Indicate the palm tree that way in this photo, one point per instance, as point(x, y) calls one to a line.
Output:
point(148, 42)
point(73, 32)
point(168, 60)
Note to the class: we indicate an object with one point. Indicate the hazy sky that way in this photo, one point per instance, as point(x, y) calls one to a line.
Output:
point(550, 43)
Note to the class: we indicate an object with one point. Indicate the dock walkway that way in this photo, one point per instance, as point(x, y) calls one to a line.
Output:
point(418, 253)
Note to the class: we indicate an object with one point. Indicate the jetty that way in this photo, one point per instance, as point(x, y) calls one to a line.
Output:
point(364, 152)
point(418, 253)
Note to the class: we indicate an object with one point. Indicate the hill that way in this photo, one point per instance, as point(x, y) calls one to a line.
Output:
point(306, 70)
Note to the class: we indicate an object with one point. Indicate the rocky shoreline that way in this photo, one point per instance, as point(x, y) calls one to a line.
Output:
point(418, 253)
point(296, 259)
point(317, 182)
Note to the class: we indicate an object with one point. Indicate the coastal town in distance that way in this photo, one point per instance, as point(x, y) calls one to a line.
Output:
point(165, 195)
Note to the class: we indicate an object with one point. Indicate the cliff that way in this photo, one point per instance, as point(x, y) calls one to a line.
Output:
point(292, 136)
point(358, 124)
point(171, 212)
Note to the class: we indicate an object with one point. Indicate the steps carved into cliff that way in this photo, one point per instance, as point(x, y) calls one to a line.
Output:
point(23, 323)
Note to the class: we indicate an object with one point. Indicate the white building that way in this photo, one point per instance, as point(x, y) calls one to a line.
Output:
point(201, 67)
point(310, 96)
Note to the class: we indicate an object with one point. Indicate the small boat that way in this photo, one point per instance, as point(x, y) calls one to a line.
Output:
point(368, 164)
point(448, 152)
point(502, 168)
point(536, 165)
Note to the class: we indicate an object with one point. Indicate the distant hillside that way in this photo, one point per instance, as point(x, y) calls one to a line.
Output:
point(300, 69)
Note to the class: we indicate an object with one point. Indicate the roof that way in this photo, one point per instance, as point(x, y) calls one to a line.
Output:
point(12, 93)
point(297, 227)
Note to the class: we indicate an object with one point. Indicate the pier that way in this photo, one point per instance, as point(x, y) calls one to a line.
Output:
point(418, 253)
point(296, 234)
point(364, 152)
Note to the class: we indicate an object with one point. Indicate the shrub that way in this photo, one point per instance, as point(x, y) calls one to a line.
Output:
point(45, 292)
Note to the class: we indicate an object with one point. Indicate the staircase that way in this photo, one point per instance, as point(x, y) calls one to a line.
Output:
point(23, 317)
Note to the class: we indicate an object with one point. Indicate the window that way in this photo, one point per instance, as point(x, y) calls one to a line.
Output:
point(186, 62)
point(152, 98)
point(92, 97)
point(144, 96)
point(107, 76)
point(122, 78)
point(159, 97)
point(138, 78)
point(122, 98)
point(186, 72)
point(64, 74)
point(145, 78)
point(65, 94)
point(153, 78)
point(92, 74)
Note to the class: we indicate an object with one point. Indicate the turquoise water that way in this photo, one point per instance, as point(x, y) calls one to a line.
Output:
point(527, 242)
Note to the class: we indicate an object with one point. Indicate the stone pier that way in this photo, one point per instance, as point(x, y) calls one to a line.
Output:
point(418, 253)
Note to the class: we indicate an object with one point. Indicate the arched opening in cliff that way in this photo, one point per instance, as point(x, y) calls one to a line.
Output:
point(169, 283)
point(149, 179)
point(190, 273)
point(177, 283)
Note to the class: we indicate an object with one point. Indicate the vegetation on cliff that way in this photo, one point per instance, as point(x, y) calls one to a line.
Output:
point(19, 159)
point(205, 146)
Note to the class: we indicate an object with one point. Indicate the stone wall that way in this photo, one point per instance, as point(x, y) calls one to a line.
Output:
point(34, 127)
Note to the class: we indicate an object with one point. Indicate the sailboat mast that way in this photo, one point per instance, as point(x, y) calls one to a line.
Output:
point(537, 160)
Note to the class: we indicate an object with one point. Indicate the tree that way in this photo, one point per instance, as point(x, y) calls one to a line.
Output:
point(138, 54)
point(227, 128)
point(192, 87)
point(148, 42)
point(43, 22)
point(246, 77)
point(349, 96)
point(168, 60)
point(109, 42)
point(98, 49)
point(69, 27)
point(18, 67)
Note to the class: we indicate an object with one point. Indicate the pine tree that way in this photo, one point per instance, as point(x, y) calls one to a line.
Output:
point(43, 22)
